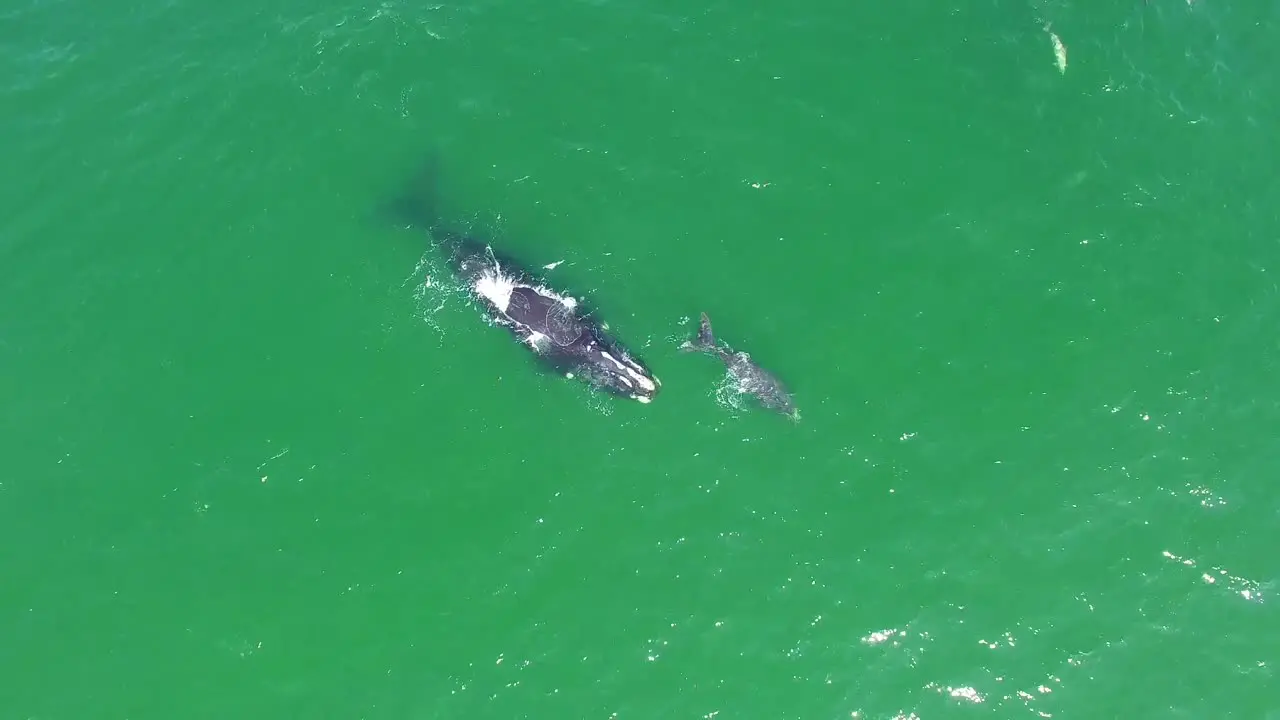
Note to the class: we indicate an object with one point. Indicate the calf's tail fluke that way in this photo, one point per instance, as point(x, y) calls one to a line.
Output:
point(705, 341)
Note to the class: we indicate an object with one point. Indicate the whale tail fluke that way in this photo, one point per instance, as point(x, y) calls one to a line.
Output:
point(417, 204)
point(706, 339)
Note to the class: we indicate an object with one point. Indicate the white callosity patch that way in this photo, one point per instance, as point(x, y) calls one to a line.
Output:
point(639, 378)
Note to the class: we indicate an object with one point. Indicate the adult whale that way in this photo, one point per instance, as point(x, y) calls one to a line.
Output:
point(752, 379)
point(556, 327)
point(553, 325)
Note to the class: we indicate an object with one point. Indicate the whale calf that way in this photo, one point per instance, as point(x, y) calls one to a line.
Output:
point(752, 379)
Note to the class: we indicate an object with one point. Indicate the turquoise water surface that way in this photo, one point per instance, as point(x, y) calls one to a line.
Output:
point(258, 462)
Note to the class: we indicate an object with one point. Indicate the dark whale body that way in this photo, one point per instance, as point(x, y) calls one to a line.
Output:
point(555, 327)
point(549, 323)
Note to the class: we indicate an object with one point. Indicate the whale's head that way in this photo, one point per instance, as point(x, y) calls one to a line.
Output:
point(611, 369)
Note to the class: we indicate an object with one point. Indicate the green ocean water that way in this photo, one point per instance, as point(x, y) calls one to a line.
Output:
point(256, 464)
